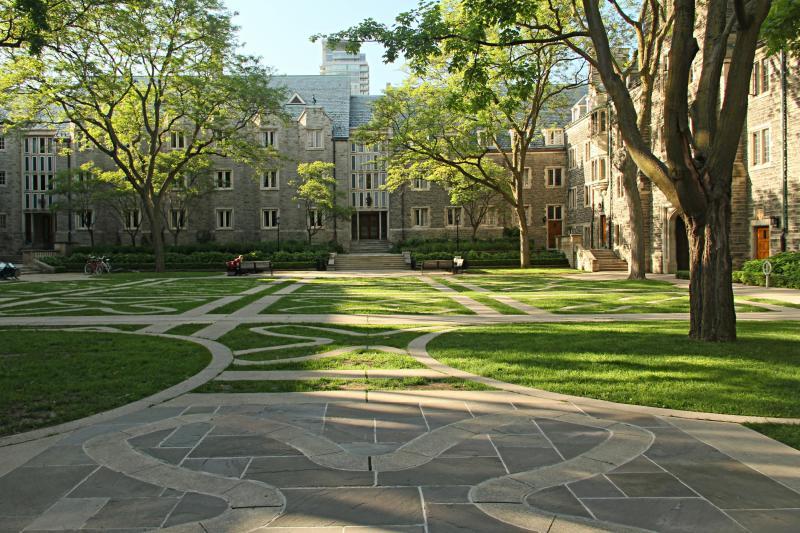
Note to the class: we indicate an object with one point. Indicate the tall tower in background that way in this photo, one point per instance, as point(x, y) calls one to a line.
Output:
point(339, 62)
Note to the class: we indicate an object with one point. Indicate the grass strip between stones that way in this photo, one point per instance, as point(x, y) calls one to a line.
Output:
point(788, 434)
point(340, 384)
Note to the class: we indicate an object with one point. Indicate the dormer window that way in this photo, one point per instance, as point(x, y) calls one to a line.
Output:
point(296, 100)
point(553, 137)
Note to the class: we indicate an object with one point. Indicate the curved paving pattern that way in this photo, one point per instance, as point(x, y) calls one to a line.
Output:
point(517, 459)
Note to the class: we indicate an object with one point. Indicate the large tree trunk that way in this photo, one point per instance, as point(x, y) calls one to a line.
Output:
point(524, 242)
point(713, 316)
point(153, 211)
point(637, 264)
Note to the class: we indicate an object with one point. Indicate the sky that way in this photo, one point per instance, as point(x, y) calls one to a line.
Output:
point(279, 31)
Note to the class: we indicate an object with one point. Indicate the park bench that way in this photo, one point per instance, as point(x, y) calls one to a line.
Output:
point(436, 264)
point(254, 267)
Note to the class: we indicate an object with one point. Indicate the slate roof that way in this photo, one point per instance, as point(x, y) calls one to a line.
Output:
point(332, 93)
point(361, 109)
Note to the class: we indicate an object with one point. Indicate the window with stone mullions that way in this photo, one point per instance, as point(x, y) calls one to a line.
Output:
point(269, 218)
point(224, 179)
point(270, 180)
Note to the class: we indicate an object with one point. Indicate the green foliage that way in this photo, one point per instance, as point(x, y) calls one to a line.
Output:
point(156, 86)
point(785, 271)
point(782, 27)
point(449, 245)
point(315, 192)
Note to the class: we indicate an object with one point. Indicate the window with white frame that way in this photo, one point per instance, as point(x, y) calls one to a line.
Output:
point(224, 218)
point(554, 212)
point(554, 176)
point(572, 157)
point(553, 137)
point(133, 219)
point(315, 218)
point(270, 218)
point(452, 216)
point(270, 180)
point(84, 219)
point(482, 137)
point(2, 143)
point(223, 179)
point(314, 139)
point(760, 147)
point(599, 121)
point(3, 221)
point(420, 184)
point(587, 151)
point(177, 140)
point(599, 169)
point(527, 177)
point(528, 215)
point(572, 197)
point(420, 217)
point(177, 219)
point(269, 138)
point(492, 217)
point(760, 77)
point(587, 196)
point(2, 178)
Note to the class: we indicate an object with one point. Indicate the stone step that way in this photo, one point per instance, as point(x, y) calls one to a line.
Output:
point(377, 261)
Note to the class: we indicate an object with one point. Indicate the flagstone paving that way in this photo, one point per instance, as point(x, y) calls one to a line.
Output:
point(505, 460)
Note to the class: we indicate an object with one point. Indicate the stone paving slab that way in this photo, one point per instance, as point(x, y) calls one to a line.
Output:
point(563, 470)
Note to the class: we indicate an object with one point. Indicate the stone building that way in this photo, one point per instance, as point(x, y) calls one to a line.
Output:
point(573, 196)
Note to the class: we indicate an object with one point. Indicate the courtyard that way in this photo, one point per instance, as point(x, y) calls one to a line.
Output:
point(496, 400)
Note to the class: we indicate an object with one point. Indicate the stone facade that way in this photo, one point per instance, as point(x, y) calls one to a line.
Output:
point(589, 201)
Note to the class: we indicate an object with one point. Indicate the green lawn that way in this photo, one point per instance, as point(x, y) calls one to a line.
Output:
point(770, 301)
point(125, 295)
point(639, 363)
point(245, 338)
point(48, 377)
point(340, 384)
point(480, 297)
point(404, 295)
point(788, 434)
point(355, 360)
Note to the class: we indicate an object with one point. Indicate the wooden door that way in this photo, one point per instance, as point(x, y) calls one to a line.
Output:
point(762, 242)
point(369, 226)
point(603, 231)
point(554, 228)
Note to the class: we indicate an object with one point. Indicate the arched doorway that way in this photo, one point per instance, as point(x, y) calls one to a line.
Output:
point(681, 244)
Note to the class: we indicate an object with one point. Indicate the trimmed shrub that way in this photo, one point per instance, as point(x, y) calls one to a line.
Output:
point(785, 271)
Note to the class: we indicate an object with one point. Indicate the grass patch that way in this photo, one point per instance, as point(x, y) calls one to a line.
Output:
point(248, 299)
point(481, 297)
point(312, 385)
point(769, 301)
point(186, 330)
point(355, 360)
point(50, 377)
point(788, 434)
point(406, 295)
point(244, 338)
point(641, 363)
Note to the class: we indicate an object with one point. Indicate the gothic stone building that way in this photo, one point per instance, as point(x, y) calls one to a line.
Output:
point(573, 193)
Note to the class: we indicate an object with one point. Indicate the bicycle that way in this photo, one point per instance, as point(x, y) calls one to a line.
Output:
point(97, 265)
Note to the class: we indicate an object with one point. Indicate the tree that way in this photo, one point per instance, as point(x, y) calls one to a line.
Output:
point(121, 198)
point(782, 27)
point(475, 199)
point(158, 87)
point(316, 195)
point(29, 24)
point(471, 110)
point(79, 191)
point(702, 130)
point(183, 192)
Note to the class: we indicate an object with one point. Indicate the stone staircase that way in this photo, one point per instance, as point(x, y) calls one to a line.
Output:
point(373, 261)
point(607, 260)
point(370, 247)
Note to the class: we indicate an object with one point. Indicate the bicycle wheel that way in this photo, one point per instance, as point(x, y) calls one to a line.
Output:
point(104, 268)
point(87, 269)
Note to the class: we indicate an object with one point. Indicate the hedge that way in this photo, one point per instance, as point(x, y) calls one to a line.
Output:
point(479, 258)
point(785, 271)
point(450, 245)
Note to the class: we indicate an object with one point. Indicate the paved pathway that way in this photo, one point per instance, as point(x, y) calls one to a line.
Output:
point(507, 460)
